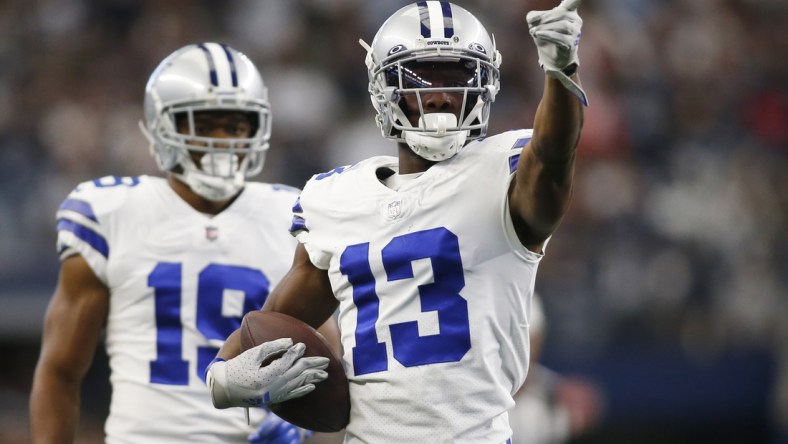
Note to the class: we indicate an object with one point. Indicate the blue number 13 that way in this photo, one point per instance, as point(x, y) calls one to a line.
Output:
point(441, 296)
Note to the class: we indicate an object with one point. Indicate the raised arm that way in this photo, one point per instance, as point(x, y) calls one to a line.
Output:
point(542, 187)
point(72, 328)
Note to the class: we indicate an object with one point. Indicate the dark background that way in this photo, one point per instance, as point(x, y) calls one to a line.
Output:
point(666, 283)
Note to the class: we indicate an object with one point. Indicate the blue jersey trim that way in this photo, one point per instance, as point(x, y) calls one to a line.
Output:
point(297, 206)
point(95, 240)
point(336, 170)
point(513, 161)
point(519, 143)
point(298, 224)
point(79, 206)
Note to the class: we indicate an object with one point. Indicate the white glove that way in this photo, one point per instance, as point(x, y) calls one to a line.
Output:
point(557, 35)
point(242, 382)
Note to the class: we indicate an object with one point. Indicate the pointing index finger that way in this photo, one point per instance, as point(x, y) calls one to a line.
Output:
point(570, 5)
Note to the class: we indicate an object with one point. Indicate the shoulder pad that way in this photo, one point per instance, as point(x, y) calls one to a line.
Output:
point(99, 196)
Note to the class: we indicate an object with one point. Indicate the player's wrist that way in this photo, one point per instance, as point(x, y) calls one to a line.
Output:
point(210, 364)
point(571, 69)
point(216, 378)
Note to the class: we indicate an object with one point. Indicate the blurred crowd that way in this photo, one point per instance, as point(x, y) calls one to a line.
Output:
point(676, 239)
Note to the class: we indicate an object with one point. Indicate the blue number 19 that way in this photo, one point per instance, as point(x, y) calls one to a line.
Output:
point(170, 367)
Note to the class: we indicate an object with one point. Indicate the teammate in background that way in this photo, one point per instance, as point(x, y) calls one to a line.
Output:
point(430, 256)
point(551, 408)
point(166, 267)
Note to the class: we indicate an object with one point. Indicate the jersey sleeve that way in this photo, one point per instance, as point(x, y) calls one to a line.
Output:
point(515, 141)
point(285, 196)
point(501, 154)
point(311, 211)
point(84, 222)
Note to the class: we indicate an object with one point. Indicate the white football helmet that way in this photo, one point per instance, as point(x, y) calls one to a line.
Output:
point(207, 77)
point(432, 32)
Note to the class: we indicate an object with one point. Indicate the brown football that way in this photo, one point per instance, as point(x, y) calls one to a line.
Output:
point(325, 409)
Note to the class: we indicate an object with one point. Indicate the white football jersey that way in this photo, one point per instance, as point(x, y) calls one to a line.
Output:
point(434, 292)
point(180, 282)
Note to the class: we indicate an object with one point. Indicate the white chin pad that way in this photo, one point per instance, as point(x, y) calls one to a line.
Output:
point(219, 177)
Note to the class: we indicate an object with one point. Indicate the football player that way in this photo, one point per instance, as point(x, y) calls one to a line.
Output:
point(431, 256)
point(164, 268)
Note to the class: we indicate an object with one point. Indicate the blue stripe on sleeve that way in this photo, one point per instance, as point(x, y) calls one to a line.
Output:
point(336, 170)
point(513, 160)
point(298, 224)
point(519, 143)
point(79, 206)
point(95, 240)
point(297, 206)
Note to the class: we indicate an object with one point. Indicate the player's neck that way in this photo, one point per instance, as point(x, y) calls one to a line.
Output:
point(410, 162)
point(196, 201)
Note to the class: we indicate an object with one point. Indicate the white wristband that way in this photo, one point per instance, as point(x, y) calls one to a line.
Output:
point(216, 378)
point(569, 84)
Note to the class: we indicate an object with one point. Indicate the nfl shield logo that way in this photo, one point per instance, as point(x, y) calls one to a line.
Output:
point(395, 208)
point(211, 233)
